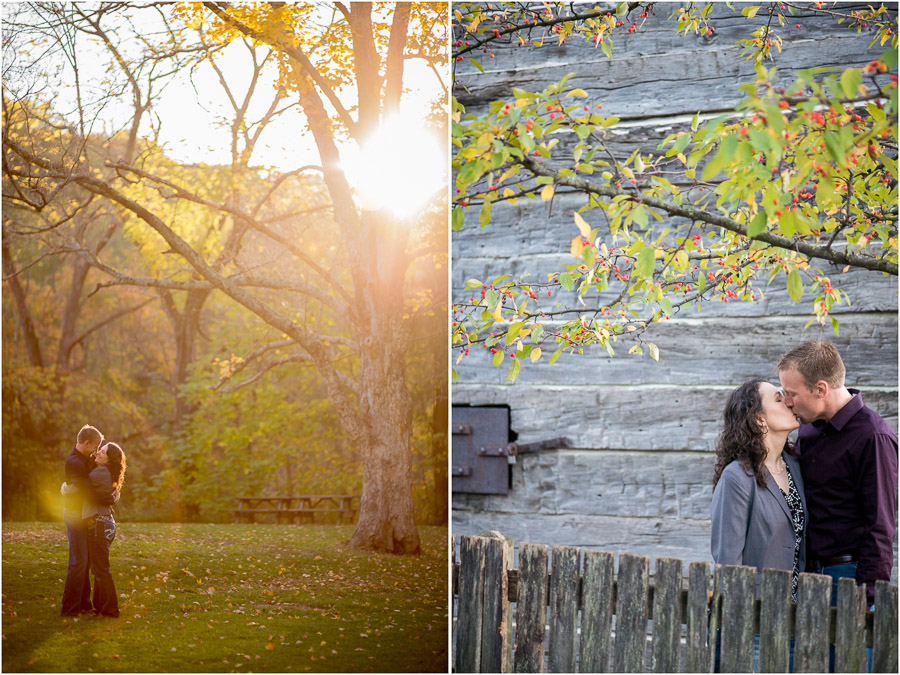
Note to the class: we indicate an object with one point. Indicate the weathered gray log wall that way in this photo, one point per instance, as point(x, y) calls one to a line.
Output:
point(637, 475)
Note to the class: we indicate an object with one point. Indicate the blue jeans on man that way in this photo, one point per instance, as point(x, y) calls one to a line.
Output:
point(76, 596)
point(842, 571)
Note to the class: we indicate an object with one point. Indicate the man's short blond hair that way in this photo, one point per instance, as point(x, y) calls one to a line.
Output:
point(89, 434)
point(815, 361)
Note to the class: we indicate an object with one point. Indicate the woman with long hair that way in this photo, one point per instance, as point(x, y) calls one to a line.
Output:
point(106, 478)
point(758, 508)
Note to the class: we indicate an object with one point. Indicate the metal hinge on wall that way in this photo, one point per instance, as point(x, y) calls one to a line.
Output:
point(478, 445)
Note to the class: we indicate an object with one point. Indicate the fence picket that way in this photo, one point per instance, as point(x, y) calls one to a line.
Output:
point(666, 616)
point(813, 617)
point(631, 613)
point(471, 604)
point(774, 621)
point(493, 625)
point(596, 611)
point(697, 619)
point(850, 629)
point(563, 607)
point(485, 590)
point(885, 629)
point(738, 599)
point(715, 619)
point(531, 608)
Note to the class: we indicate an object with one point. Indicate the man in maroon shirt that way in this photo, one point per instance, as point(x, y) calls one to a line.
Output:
point(848, 458)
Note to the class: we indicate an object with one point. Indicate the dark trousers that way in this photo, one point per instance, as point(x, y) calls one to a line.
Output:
point(100, 534)
point(77, 590)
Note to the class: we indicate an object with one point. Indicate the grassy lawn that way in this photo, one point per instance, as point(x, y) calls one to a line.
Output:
point(225, 598)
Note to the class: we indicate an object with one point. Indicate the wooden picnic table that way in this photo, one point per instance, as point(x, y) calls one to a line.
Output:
point(300, 507)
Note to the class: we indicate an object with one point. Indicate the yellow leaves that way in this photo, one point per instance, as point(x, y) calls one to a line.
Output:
point(576, 247)
point(270, 645)
point(485, 139)
point(547, 193)
point(535, 354)
point(583, 227)
point(498, 317)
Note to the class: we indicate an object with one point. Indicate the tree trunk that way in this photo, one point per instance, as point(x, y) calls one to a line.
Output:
point(439, 451)
point(185, 327)
point(74, 301)
point(32, 344)
point(386, 520)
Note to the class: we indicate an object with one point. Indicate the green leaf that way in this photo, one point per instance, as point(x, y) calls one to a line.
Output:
point(458, 218)
point(646, 262)
point(786, 225)
point(666, 306)
point(654, 351)
point(681, 142)
point(639, 216)
point(795, 286)
point(513, 331)
point(713, 167)
point(728, 147)
point(536, 333)
point(556, 355)
point(514, 369)
point(566, 281)
point(834, 325)
point(850, 81)
point(760, 140)
point(498, 357)
point(835, 147)
point(485, 216)
point(477, 65)
point(757, 225)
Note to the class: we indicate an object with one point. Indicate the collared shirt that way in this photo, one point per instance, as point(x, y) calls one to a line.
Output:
point(849, 466)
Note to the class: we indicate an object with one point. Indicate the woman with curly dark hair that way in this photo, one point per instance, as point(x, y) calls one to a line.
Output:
point(758, 508)
point(106, 478)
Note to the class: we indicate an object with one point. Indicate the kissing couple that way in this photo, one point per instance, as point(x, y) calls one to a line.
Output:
point(94, 474)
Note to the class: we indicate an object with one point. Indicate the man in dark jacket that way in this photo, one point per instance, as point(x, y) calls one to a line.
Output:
point(77, 591)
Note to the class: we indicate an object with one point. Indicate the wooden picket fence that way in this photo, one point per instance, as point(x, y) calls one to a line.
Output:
point(602, 622)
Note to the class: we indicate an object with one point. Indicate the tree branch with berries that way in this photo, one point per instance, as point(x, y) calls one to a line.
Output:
point(793, 186)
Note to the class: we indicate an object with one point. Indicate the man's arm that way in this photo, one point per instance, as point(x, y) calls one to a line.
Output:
point(877, 495)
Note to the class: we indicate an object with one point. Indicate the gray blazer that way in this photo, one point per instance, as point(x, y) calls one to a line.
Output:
point(752, 525)
point(101, 486)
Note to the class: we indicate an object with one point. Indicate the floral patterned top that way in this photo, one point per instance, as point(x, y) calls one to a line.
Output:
point(792, 498)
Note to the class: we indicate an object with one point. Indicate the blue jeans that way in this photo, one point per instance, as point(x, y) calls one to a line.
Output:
point(76, 596)
point(844, 571)
point(100, 534)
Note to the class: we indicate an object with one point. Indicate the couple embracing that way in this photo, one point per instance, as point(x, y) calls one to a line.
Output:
point(827, 504)
point(94, 475)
